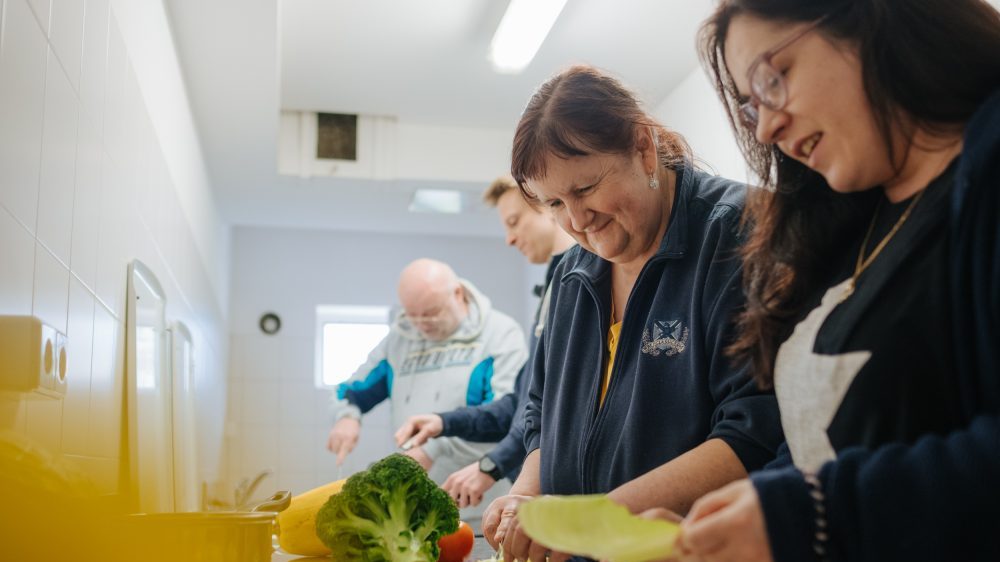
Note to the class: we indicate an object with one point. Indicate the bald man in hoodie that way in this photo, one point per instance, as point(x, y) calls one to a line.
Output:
point(447, 348)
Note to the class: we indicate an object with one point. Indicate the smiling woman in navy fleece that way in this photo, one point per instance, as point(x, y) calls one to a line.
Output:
point(631, 391)
point(874, 278)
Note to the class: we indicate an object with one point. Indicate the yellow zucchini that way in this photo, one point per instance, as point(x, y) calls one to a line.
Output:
point(297, 524)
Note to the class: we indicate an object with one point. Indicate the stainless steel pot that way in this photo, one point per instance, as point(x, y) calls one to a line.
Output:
point(203, 536)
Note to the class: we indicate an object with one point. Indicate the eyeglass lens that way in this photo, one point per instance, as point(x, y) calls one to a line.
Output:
point(768, 86)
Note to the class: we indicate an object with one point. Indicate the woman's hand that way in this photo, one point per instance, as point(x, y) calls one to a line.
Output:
point(499, 509)
point(500, 527)
point(726, 525)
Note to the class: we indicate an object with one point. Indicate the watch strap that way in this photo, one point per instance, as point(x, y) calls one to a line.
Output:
point(496, 474)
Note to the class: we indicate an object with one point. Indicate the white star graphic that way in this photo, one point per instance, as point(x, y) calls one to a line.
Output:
point(810, 387)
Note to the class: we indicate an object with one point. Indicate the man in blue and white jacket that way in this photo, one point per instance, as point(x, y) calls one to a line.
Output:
point(447, 348)
point(534, 232)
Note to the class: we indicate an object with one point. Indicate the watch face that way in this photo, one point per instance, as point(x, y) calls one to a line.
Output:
point(487, 465)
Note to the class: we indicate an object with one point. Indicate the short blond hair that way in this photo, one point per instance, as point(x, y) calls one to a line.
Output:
point(498, 188)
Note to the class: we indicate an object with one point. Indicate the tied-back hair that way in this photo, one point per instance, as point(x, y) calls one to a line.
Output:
point(926, 65)
point(583, 111)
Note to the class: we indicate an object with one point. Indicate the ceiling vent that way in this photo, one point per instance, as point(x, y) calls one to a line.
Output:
point(312, 144)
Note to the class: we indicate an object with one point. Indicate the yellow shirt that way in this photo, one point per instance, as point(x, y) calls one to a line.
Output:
point(613, 333)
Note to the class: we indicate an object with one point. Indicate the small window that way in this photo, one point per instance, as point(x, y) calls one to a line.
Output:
point(345, 335)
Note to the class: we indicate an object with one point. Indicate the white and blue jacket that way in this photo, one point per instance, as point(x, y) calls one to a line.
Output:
point(475, 365)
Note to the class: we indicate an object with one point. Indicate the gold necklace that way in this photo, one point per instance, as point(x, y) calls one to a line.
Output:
point(863, 263)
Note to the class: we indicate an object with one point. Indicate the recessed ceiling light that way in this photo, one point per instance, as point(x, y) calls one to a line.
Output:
point(436, 201)
point(521, 32)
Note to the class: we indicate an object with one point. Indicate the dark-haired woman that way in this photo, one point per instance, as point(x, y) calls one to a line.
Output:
point(873, 278)
point(631, 391)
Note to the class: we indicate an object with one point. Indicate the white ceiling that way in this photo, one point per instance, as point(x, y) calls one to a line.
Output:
point(421, 61)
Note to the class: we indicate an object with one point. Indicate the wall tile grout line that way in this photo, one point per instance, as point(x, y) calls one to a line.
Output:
point(3, 18)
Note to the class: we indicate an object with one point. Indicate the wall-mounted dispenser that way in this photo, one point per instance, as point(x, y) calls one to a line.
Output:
point(32, 357)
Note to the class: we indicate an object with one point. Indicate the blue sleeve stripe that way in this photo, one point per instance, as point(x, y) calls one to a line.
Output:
point(367, 393)
point(480, 388)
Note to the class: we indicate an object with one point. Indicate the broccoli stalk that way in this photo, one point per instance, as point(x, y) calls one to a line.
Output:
point(392, 512)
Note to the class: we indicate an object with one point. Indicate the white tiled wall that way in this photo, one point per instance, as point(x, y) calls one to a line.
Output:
point(76, 405)
point(57, 172)
point(85, 187)
point(17, 254)
point(66, 35)
point(22, 103)
point(277, 418)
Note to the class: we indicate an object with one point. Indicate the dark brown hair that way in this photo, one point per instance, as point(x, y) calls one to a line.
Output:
point(926, 64)
point(583, 111)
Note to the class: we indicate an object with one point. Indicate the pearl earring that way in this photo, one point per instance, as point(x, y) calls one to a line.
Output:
point(653, 182)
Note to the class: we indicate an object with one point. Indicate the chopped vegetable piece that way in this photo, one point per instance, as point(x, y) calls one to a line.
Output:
point(596, 527)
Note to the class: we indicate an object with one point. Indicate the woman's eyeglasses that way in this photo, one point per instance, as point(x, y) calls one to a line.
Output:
point(767, 83)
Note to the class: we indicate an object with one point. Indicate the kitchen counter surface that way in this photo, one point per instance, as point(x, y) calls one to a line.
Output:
point(481, 550)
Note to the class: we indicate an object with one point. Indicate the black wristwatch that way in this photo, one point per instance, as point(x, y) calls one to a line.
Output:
point(490, 468)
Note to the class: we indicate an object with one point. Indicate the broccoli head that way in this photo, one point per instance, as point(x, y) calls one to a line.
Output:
point(392, 512)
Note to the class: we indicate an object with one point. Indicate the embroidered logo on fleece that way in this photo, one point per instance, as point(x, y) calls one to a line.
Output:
point(668, 337)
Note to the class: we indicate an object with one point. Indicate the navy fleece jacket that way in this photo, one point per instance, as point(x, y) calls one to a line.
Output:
point(672, 387)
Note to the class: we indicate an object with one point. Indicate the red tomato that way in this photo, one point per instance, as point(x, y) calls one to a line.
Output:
point(458, 545)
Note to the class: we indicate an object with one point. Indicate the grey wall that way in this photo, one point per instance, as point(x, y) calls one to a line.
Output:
point(277, 419)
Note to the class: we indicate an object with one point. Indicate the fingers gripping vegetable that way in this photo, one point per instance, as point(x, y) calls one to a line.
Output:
point(596, 527)
point(391, 512)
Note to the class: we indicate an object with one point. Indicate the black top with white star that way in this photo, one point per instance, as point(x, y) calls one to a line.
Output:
point(899, 314)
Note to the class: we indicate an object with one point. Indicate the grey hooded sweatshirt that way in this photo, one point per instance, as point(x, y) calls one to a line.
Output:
point(475, 365)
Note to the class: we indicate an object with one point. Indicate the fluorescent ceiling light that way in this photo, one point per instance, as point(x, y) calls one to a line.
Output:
point(521, 32)
point(436, 201)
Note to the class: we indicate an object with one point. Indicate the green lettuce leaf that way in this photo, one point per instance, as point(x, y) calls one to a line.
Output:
point(596, 527)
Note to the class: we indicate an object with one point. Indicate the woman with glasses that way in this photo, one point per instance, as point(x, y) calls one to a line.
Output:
point(631, 392)
point(872, 278)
